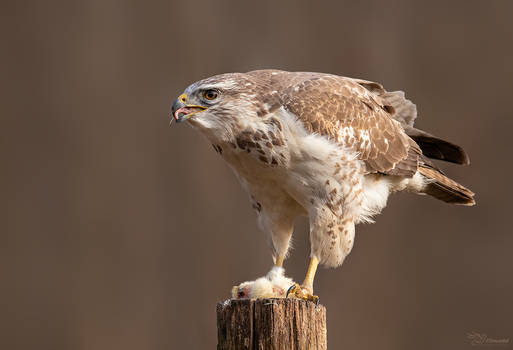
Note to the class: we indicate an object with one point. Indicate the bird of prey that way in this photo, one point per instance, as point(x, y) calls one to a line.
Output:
point(319, 145)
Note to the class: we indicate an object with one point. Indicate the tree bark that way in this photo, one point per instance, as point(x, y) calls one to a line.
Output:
point(271, 324)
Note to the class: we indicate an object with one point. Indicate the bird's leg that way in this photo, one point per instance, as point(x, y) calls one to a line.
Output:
point(310, 275)
point(305, 291)
point(278, 261)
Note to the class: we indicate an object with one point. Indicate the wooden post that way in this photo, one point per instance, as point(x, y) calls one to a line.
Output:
point(284, 324)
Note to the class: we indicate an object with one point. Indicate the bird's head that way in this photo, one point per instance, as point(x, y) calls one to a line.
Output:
point(215, 102)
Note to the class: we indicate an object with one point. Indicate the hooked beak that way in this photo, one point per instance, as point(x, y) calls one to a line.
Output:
point(181, 111)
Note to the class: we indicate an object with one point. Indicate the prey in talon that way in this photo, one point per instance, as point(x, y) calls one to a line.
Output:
point(324, 146)
point(273, 285)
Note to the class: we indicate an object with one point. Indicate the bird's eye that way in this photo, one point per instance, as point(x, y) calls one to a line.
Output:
point(210, 95)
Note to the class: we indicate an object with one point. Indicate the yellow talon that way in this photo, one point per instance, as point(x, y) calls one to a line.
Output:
point(293, 289)
point(296, 291)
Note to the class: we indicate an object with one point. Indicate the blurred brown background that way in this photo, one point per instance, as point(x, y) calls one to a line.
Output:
point(119, 232)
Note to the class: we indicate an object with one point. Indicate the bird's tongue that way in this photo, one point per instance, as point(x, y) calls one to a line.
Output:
point(183, 113)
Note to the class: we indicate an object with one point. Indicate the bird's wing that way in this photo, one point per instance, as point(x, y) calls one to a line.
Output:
point(351, 114)
point(405, 112)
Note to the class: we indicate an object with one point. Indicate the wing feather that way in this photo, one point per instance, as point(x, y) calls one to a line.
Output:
point(405, 112)
point(349, 113)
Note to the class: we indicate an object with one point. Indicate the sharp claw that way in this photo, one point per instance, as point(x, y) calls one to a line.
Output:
point(298, 293)
point(290, 290)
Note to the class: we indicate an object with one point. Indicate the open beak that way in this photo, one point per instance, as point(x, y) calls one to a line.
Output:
point(181, 111)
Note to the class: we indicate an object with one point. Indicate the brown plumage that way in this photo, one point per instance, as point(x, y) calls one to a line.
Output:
point(439, 186)
point(347, 112)
point(357, 113)
point(318, 145)
point(329, 105)
point(443, 188)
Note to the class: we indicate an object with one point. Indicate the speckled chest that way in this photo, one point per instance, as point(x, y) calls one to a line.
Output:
point(257, 145)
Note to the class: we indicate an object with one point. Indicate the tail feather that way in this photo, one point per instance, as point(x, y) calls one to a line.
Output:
point(443, 188)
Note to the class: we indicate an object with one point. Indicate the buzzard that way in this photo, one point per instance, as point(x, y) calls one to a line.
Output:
point(319, 145)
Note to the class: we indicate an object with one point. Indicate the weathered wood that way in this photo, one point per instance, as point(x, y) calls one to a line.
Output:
point(271, 324)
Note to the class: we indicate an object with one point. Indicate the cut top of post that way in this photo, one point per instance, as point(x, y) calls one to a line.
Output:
point(271, 324)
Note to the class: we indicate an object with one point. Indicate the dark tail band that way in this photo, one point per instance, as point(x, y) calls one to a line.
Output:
point(443, 188)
